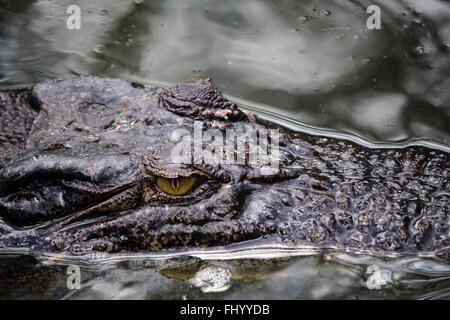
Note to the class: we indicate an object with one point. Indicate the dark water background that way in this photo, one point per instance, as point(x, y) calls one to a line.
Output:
point(310, 65)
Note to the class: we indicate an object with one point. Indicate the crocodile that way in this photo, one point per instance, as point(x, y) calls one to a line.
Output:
point(87, 167)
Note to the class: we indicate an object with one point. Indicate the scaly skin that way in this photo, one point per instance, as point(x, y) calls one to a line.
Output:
point(81, 179)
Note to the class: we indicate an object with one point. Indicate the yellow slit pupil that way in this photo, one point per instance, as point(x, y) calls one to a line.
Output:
point(175, 186)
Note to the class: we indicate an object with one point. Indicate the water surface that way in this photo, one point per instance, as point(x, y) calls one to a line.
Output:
point(309, 65)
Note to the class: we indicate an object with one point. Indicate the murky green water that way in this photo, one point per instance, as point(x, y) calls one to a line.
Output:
point(310, 65)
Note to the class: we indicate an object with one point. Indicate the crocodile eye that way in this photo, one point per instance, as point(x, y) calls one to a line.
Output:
point(175, 186)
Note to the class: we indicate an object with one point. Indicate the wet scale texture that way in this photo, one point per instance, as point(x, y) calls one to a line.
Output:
point(81, 178)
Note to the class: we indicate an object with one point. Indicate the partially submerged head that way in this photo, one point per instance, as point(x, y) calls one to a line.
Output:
point(97, 174)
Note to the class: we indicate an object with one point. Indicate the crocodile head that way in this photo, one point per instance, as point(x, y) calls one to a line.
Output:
point(115, 166)
point(97, 172)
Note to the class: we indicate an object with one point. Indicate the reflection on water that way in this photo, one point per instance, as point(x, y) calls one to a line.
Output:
point(315, 63)
point(306, 64)
point(321, 276)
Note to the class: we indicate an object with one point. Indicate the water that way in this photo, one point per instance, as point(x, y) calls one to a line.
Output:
point(285, 275)
point(313, 66)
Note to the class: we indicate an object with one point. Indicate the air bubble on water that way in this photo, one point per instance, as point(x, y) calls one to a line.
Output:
point(419, 50)
point(212, 279)
point(99, 49)
point(378, 277)
point(327, 13)
point(103, 12)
